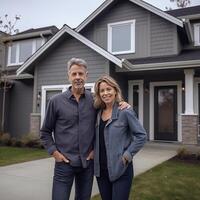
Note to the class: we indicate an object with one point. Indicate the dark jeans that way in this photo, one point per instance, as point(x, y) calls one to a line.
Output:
point(117, 190)
point(64, 175)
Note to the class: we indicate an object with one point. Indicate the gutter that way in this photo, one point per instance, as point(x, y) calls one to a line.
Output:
point(188, 30)
point(160, 66)
point(26, 35)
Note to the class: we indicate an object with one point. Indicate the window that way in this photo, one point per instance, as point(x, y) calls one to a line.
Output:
point(50, 90)
point(19, 51)
point(196, 34)
point(121, 37)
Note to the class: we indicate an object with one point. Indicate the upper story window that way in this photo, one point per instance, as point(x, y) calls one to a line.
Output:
point(197, 34)
point(19, 51)
point(121, 37)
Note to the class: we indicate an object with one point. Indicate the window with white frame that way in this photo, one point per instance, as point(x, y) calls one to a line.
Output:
point(50, 90)
point(121, 37)
point(197, 34)
point(19, 51)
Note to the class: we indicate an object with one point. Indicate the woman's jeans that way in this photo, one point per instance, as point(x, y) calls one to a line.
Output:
point(64, 175)
point(116, 190)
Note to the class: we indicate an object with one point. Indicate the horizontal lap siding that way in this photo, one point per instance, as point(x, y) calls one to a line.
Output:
point(52, 70)
point(163, 37)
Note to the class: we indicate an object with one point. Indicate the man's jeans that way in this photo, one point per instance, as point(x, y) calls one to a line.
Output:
point(64, 174)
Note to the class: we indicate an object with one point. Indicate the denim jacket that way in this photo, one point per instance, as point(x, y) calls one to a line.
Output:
point(124, 136)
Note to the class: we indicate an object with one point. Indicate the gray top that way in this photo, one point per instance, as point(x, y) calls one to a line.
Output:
point(69, 126)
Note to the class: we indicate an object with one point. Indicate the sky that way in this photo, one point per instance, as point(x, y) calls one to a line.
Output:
point(41, 13)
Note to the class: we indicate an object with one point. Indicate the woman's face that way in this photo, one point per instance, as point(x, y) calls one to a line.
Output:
point(107, 93)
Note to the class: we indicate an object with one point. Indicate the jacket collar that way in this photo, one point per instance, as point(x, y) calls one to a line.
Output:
point(114, 116)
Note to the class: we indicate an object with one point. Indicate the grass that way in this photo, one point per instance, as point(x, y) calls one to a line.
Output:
point(12, 155)
point(172, 180)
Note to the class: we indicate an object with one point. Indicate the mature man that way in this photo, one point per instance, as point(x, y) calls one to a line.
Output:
point(70, 116)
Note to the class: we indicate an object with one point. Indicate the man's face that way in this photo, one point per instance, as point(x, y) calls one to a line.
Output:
point(77, 76)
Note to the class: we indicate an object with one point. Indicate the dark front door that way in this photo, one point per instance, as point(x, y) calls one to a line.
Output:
point(165, 113)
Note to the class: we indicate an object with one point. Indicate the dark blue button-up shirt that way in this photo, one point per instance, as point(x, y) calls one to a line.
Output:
point(69, 126)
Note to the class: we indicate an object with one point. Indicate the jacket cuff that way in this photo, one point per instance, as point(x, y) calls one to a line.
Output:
point(128, 156)
point(51, 149)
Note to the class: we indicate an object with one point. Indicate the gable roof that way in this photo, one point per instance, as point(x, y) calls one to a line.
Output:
point(66, 29)
point(140, 3)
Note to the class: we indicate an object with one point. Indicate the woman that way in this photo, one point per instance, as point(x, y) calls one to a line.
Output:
point(119, 136)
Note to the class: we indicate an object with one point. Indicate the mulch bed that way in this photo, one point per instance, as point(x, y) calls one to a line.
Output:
point(191, 159)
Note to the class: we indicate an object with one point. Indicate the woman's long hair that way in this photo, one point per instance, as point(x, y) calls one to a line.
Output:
point(98, 103)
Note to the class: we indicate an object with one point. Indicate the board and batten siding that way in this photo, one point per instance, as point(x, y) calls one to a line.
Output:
point(20, 101)
point(154, 36)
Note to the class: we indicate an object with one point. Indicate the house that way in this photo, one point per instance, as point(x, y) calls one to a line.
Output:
point(16, 92)
point(154, 56)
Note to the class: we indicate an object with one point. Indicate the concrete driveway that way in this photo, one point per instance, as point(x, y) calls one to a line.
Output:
point(33, 180)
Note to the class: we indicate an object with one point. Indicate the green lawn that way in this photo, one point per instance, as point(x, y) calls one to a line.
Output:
point(172, 180)
point(11, 155)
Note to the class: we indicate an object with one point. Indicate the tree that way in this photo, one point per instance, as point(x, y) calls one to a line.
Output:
point(9, 26)
point(179, 4)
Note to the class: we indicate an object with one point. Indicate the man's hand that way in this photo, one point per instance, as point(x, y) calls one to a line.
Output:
point(123, 105)
point(124, 160)
point(91, 155)
point(59, 157)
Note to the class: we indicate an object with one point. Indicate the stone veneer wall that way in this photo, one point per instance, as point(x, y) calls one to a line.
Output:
point(35, 123)
point(189, 129)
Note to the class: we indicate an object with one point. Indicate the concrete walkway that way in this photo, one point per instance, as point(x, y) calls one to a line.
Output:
point(33, 180)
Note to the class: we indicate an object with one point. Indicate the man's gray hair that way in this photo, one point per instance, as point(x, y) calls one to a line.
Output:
point(76, 61)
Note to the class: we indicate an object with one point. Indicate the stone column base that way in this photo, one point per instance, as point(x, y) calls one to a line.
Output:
point(35, 123)
point(189, 129)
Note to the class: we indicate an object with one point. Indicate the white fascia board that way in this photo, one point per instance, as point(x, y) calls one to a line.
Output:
point(93, 15)
point(41, 50)
point(158, 66)
point(158, 12)
point(21, 76)
point(67, 29)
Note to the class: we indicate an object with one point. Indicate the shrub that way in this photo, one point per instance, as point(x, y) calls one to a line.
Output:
point(183, 153)
point(31, 140)
point(16, 142)
point(5, 139)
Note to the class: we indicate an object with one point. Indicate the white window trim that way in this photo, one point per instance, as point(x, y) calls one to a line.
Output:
point(197, 34)
point(47, 88)
point(132, 50)
point(179, 106)
point(17, 52)
point(140, 84)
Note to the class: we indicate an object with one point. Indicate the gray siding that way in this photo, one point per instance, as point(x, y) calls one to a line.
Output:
point(52, 70)
point(20, 102)
point(163, 37)
point(154, 35)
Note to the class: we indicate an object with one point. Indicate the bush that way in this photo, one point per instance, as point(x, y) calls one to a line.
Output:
point(31, 140)
point(16, 142)
point(183, 153)
point(5, 139)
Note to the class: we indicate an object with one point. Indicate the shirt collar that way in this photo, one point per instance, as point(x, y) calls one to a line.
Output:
point(70, 94)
